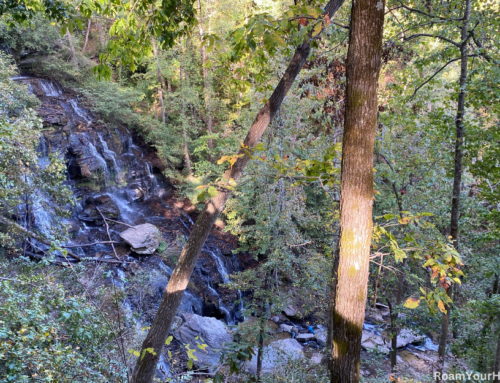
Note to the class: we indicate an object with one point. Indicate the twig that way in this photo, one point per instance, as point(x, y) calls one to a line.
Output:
point(95, 259)
point(302, 244)
point(435, 36)
point(107, 230)
point(121, 223)
point(88, 244)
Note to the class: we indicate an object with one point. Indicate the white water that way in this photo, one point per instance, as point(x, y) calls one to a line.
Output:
point(152, 178)
point(220, 266)
point(167, 270)
point(95, 154)
point(82, 113)
point(49, 88)
point(126, 211)
point(109, 154)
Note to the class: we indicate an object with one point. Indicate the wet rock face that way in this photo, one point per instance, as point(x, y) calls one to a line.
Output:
point(214, 334)
point(134, 193)
point(143, 239)
point(105, 204)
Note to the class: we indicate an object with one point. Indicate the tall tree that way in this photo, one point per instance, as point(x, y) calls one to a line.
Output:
point(356, 202)
point(458, 171)
point(155, 339)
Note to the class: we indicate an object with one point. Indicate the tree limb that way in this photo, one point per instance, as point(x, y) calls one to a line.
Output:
point(429, 35)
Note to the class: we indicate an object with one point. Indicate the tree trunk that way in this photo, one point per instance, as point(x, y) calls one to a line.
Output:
point(86, 36)
point(496, 370)
point(457, 179)
point(71, 46)
point(183, 122)
point(356, 201)
point(161, 80)
point(206, 86)
point(331, 306)
point(102, 36)
point(145, 367)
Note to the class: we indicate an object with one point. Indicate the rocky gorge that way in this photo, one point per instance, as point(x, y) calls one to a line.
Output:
point(127, 214)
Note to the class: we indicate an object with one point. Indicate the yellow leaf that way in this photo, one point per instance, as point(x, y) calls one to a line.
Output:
point(441, 307)
point(412, 303)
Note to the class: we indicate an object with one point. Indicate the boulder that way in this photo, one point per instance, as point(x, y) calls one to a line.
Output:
point(406, 337)
point(134, 193)
point(316, 358)
point(320, 336)
point(305, 337)
point(276, 353)
point(143, 239)
point(209, 331)
point(371, 341)
point(106, 205)
point(275, 319)
point(290, 311)
point(288, 328)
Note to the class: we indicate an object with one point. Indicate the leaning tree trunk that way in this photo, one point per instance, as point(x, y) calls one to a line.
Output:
point(457, 180)
point(145, 367)
point(356, 202)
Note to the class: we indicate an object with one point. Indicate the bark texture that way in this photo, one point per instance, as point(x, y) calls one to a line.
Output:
point(145, 367)
point(497, 362)
point(356, 202)
point(457, 179)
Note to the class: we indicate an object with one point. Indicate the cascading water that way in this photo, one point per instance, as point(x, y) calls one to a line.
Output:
point(108, 154)
point(82, 113)
point(49, 88)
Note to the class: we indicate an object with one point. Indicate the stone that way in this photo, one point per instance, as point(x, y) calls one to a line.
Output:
point(275, 319)
point(134, 193)
point(320, 336)
point(305, 337)
point(210, 331)
point(288, 328)
point(370, 341)
point(105, 204)
point(290, 311)
point(143, 239)
point(275, 354)
point(406, 337)
point(316, 358)
point(375, 315)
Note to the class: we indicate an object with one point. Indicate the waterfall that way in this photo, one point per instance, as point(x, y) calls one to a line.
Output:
point(226, 312)
point(220, 265)
point(95, 154)
point(49, 88)
point(109, 154)
point(152, 178)
point(82, 113)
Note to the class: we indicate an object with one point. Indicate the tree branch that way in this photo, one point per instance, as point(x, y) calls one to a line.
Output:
point(429, 35)
point(427, 14)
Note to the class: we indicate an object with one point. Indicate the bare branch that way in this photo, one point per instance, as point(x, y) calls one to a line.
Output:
point(412, 37)
point(427, 14)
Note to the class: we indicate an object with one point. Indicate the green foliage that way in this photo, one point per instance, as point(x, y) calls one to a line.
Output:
point(47, 334)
